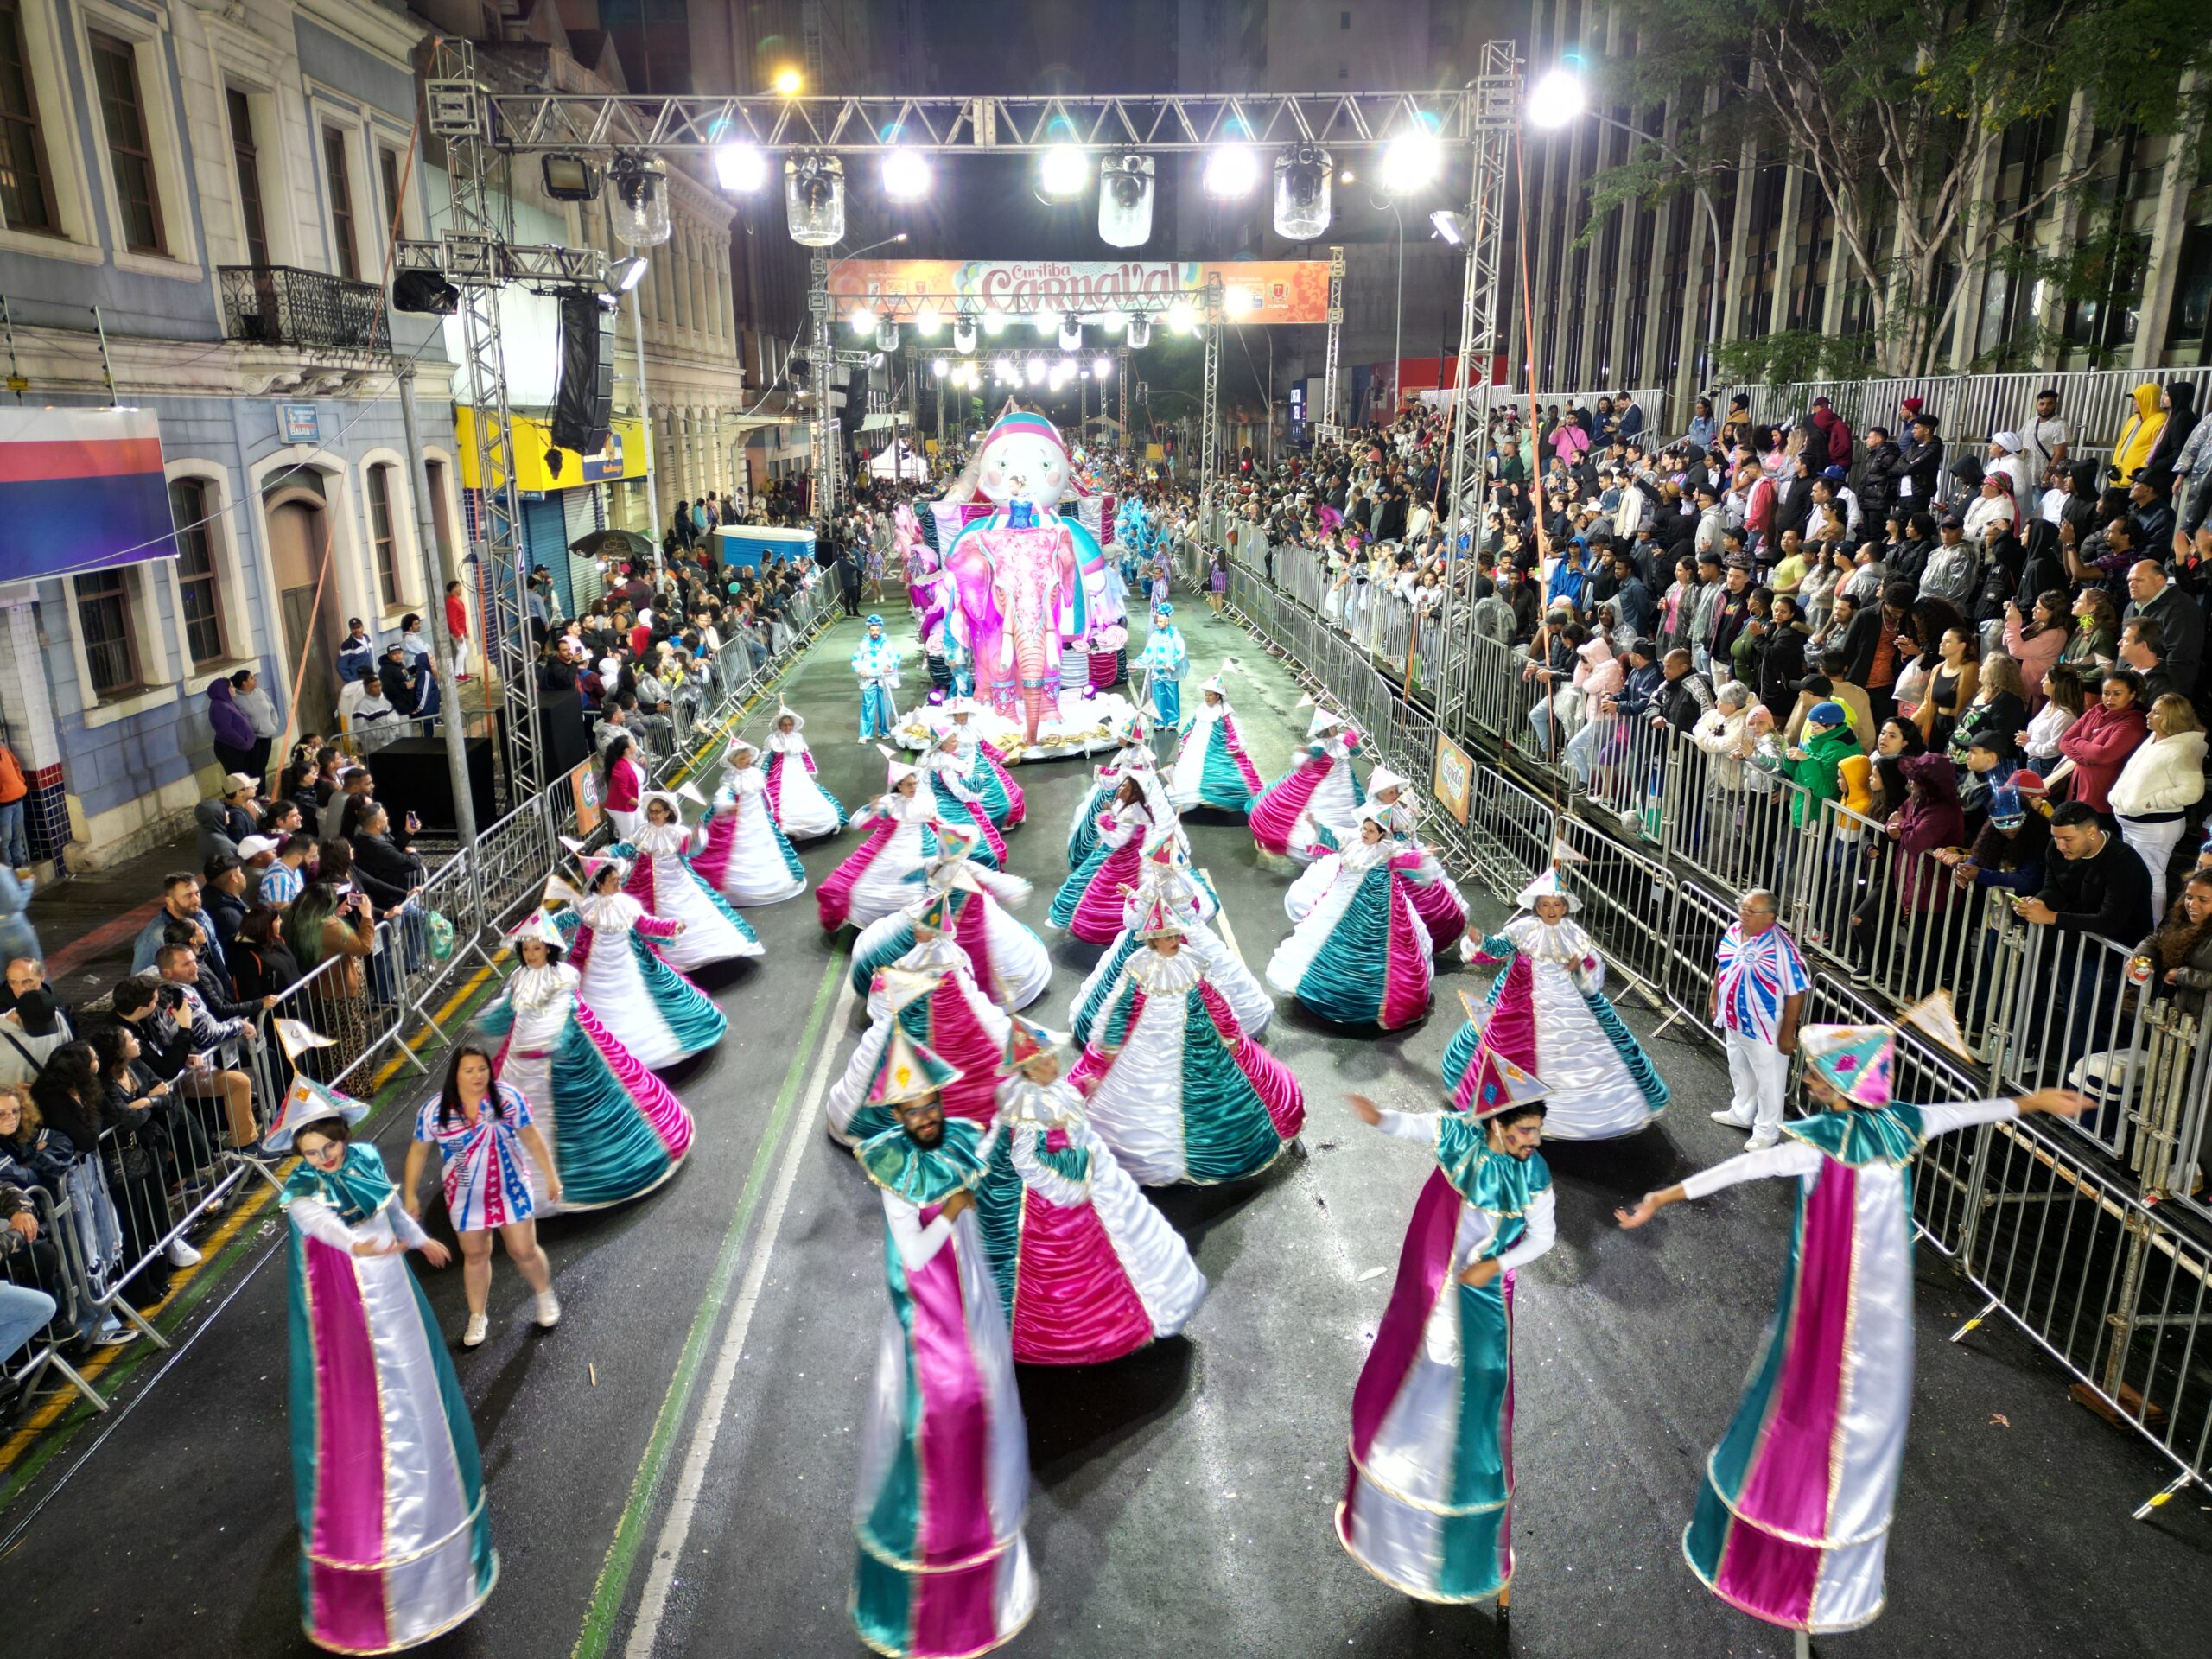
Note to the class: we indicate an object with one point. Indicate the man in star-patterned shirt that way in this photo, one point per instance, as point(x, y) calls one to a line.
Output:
point(1758, 991)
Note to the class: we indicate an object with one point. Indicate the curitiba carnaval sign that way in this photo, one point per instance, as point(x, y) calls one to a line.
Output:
point(1253, 290)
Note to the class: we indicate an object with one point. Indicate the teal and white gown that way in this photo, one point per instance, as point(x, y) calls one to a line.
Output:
point(664, 881)
point(1361, 955)
point(654, 1012)
point(1131, 760)
point(1428, 1498)
point(930, 993)
point(1004, 953)
point(1548, 1013)
point(1211, 769)
point(943, 1570)
point(1194, 905)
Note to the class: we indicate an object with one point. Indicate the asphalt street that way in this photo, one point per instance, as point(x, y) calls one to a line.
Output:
point(671, 1470)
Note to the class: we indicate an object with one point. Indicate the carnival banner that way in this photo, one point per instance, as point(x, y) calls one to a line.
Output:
point(1253, 290)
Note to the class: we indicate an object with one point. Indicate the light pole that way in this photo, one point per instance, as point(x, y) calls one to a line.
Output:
point(1398, 326)
point(1556, 99)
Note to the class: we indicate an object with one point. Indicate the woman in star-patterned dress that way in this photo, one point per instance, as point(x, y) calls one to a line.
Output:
point(482, 1128)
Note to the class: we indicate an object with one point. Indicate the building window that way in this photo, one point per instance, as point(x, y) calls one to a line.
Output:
point(192, 514)
point(25, 186)
point(434, 477)
point(341, 204)
point(388, 174)
point(130, 154)
point(380, 537)
point(1343, 20)
point(247, 157)
point(103, 617)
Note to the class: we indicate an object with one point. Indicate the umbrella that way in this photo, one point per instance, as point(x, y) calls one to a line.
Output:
point(618, 543)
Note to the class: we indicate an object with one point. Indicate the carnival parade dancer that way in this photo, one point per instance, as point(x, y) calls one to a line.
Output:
point(982, 767)
point(1166, 874)
point(1176, 1087)
point(1314, 807)
point(957, 804)
point(1089, 903)
point(1008, 960)
point(875, 665)
point(882, 875)
point(655, 1013)
point(746, 857)
point(943, 1568)
point(483, 1131)
point(1435, 895)
point(1548, 1013)
point(1211, 769)
point(803, 809)
point(1166, 658)
point(664, 881)
point(615, 1131)
point(1361, 955)
point(395, 1540)
point(1134, 758)
point(1090, 1270)
point(1793, 1517)
point(1428, 1494)
point(931, 994)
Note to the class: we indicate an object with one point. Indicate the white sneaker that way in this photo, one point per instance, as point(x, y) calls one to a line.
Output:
point(1762, 1139)
point(182, 1254)
point(479, 1327)
point(548, 1310)
point(1730, 1120)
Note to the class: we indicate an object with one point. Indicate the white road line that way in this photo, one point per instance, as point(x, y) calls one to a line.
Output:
point(676, 1531)
point(1221, 919)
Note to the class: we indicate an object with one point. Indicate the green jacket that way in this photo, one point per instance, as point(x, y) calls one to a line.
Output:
point(1817, 774)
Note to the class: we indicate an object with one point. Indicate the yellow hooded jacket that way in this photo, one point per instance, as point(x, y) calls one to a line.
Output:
point(2139, 436)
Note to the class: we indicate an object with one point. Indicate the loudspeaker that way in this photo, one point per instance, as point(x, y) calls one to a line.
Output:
point(585, 402)
point(411, 777)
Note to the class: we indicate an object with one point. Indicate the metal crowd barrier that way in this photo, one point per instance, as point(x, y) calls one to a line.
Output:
point(2087, 1236)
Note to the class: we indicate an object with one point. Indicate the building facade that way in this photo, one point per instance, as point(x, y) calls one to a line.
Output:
point(193, 220)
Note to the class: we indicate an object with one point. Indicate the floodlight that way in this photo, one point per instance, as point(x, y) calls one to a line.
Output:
point(569, 178)
point(1113, 323)
point(1556, 98)
point(941, 367)
point(1125, 201)
point(1140, 332)
point(906, 173)
point(1240, 298)
point(1036, 370)
point(927, 323)
point(886, 336)
point(1451, 228)
point(740, 168)
point(1412, 162)
point(1045, 321)
point(994, 323)
point(1103, 366)
point(788, 82)
point(637, 214)
point(1181, 318)
point(814, 200)
point(1302, 193)
point(1062, 171)
point(861, 318)
point(1231, 170)
point(963, 332)
point(626, 274)
point(1072, 334)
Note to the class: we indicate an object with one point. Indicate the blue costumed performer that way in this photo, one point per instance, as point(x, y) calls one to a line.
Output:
point(1163, 661)
point(875, 665)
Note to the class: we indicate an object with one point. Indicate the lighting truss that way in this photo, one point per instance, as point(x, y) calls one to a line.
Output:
point(1328, 427)
point(485, 261)
point(1163, 122)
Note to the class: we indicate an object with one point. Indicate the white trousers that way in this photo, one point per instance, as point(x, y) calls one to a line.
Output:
point(2154, 844)
point(1756, 1074)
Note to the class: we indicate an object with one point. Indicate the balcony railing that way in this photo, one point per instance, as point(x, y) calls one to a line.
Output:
point(279, 305)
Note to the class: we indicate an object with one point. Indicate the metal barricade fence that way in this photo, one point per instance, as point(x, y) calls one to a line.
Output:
point(1511, 832)
point(1692, 942)
point(41, 1265)
point(1628, 904)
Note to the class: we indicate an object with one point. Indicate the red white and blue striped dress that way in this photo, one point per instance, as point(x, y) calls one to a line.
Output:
point(485, 1182)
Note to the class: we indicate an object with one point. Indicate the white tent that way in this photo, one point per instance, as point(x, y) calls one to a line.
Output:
point(898, 461)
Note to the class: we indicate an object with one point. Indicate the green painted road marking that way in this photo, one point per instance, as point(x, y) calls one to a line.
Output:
point(614, 1585)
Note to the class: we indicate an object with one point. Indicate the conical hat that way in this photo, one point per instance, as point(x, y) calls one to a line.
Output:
point(1934, 1017)
point(899, 770)
point(936, 912)
point(1500, 1085)
point(1381, 779)
point(540, 925)
point(296, 1037)
point(1547, 886)
point(1324, 720)
point(909, 1071)
point(1158, 919)
point(1854, 1060)
point(306, 1102)
point(783, 709)
point(1025, 1041)
point(738, 746)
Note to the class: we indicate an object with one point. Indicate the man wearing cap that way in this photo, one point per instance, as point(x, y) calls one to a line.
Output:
point(2044, 439)
point(1758, 991)
point(875, 665)
point(1920, 469)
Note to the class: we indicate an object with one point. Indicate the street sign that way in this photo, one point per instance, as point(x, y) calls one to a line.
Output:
point(300, 422)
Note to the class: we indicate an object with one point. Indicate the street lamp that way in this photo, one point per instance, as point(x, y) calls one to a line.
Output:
point(1557, 98)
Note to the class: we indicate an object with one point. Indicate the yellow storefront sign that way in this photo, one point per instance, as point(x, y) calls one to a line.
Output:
point(624, 456)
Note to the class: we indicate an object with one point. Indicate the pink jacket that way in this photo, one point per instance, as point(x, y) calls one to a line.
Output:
point(2035, 653)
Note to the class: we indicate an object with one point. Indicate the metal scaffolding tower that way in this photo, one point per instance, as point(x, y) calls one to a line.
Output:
point(1328, 420)
point(1496, 95)
point(823, 445)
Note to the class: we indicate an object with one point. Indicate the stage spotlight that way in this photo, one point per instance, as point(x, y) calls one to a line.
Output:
point(1113, 323)
point(626, 274)
point(1302, 193)
point(963, 332)
point(788, 82)
point(1103, 366)
point(1345, 177)
point(1062, 171)
point(1181, 319)
point(1003, 368)
point(426, 292)
point(1556, 98)
point(906, 173)
point(569, 178)
point(1239, 299)
point(1450, 226)
point(1412, 162)
point(1231, 170)
point(1036, 370)
point(941, 367)
point(927, 323)
point(861, 318)
point(1140, 332)
point(814, 200)
point(1045, 321)
point(886, 336)
point(1072, 334)
point(740, 168)
point(1125, 201)
point(638, 213)
point(994, 323)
